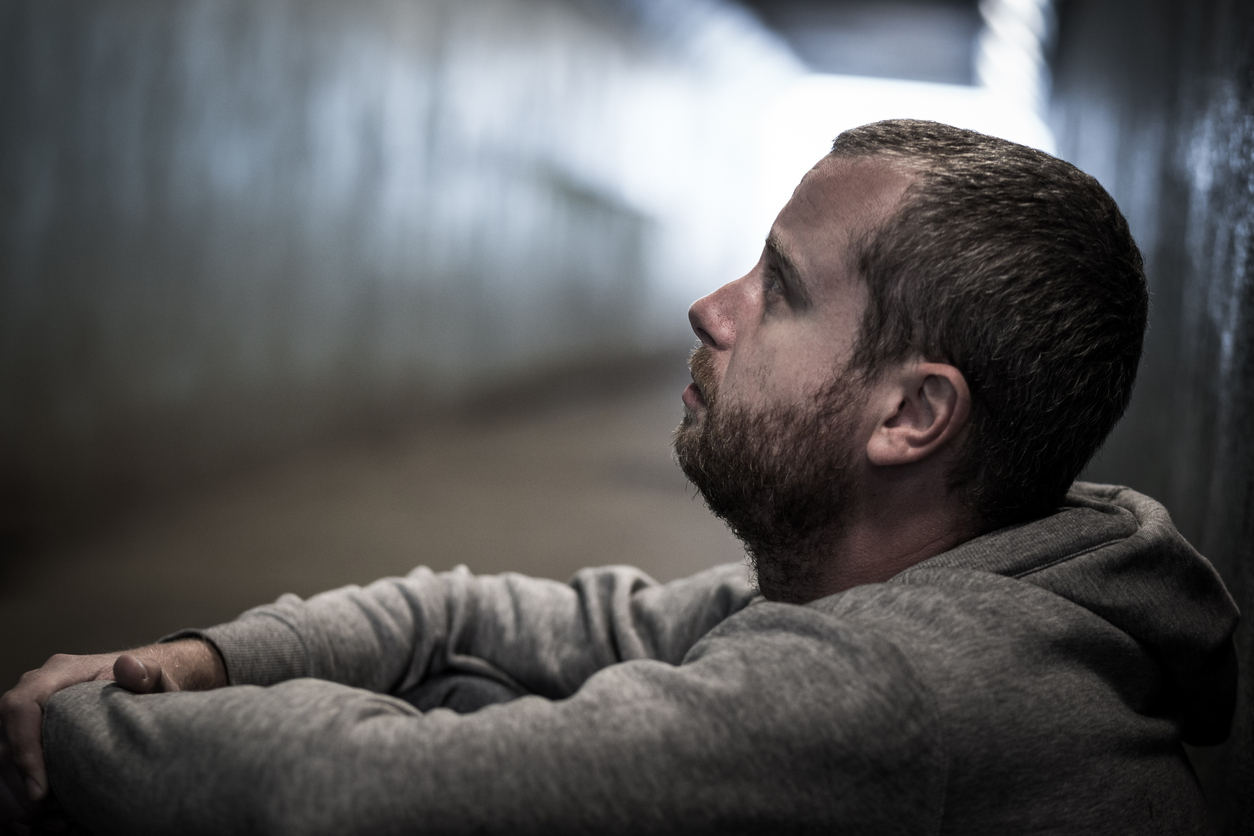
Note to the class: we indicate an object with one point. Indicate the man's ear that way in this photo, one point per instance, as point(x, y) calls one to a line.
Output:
point(921, 407)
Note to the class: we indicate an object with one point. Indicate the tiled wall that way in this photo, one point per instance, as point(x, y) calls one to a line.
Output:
point(1156, 99)
point(230, 228)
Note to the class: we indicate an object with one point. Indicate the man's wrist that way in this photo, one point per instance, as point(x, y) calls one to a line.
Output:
point(193, 663)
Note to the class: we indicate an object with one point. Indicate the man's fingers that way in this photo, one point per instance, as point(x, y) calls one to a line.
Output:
point(21, 712)
point(142, 675)
point(132, 674)
point(21, 709)
point(22, 723)
point(15, 806)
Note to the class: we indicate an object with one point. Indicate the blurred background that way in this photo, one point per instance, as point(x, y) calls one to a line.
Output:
point(298, 293)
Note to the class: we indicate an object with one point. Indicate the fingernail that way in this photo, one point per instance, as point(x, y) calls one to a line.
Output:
point(36, 791)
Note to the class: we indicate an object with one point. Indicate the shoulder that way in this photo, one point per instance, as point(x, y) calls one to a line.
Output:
point(833, 682)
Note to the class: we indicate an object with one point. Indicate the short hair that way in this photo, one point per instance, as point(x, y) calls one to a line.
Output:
point(1020, 270)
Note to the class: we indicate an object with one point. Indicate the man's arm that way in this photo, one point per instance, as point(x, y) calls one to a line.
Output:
point(540, 636)
point(188, 665)
point(543, 636)
point(781, 719)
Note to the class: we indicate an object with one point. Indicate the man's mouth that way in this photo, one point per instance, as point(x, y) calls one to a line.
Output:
point(703, 389)
point(692, 397)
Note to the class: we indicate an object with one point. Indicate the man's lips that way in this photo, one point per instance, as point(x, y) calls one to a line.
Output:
point(703, 387)
point(692, 397)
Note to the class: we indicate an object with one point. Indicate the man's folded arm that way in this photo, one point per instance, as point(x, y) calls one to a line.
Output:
point(775, 720)
point(539, 636)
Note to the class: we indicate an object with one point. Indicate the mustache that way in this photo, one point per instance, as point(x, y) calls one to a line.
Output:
point(701, 365)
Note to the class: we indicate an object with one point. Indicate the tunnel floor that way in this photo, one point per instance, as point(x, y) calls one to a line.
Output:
point(542, 487)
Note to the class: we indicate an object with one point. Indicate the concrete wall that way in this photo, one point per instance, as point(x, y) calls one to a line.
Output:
point(230, 228)
point(1156, 99)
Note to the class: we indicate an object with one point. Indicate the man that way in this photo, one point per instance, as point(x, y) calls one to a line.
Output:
point(889, 410)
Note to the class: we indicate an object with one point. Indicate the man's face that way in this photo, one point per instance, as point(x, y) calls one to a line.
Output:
point(773, 423)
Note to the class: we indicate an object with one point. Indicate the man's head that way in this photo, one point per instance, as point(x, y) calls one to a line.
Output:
point(931, 303)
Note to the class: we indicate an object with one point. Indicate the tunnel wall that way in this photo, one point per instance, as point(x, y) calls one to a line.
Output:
point(232, 228)
point(1156, 99)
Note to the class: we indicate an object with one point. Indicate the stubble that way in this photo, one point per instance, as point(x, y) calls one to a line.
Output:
point(782, 479)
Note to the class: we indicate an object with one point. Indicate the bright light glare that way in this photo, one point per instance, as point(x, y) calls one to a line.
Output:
point(798, 127)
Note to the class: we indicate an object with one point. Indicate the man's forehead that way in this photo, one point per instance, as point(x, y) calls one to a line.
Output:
point(857, 191)
point(837, 201)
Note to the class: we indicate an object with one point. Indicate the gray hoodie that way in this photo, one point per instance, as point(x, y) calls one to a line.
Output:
point(1036, 679)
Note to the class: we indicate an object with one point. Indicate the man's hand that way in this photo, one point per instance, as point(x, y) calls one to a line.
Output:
point(190, 664)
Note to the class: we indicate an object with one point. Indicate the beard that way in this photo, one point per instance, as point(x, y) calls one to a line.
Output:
point(782, 479)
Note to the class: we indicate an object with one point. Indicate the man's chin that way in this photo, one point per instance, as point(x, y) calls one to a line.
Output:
point(686, 443)
point(803, 454)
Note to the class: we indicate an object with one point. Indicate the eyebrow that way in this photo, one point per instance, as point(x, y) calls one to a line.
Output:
point(789, 269)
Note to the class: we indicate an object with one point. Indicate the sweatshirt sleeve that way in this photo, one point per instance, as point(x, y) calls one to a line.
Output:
point(779, 720)
point(540, 636)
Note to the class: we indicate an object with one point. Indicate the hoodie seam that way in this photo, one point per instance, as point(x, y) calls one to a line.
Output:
point(942, 738)
point(1073, 556)
point(943, 741)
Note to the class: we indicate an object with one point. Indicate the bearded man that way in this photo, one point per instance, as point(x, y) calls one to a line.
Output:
point(946, 634)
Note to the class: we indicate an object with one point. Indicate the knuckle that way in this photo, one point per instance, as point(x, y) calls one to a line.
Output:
point(9, 702)
point(27, 761)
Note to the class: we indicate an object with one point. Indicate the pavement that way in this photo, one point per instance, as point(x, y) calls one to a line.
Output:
point(546, 485)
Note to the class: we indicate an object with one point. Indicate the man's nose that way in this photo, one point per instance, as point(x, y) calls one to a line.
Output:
point(713, 317)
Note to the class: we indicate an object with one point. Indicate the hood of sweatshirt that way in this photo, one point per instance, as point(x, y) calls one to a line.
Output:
point(1116, 553)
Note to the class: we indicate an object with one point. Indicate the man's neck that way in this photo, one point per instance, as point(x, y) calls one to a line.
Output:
point(881, 538)
point(873, 554)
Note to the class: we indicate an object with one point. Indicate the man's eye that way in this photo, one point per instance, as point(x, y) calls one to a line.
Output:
point(774, 285)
